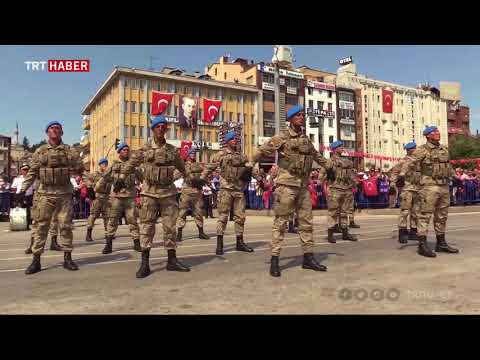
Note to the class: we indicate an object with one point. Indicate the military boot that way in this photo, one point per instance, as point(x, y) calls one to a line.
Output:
point(179, 235)
point(352, 225)
point(173, 264)
point(274, 267)
point(136, 245)
point(442, 245)
point(144, 270)
point(29, 249)
point(291, 228)
point(201, 234)
point(331, 239)
point(347, 236)
point(241, 246)
point(68, 262)
point(402, 235)
point(54, 245)
point(310, 263)
point(336, 229)
point(88, 237)
point(108, 245)
point(219, 250)
point(35, 266)
point(412, 235)
point(423, 248)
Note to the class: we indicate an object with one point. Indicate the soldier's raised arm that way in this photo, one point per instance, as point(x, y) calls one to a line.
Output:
point(268, 149)
point(394, 174)
point(318, 158)
point(417, 156)
point(211, 166)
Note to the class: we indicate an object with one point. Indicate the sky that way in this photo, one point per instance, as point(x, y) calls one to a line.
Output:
point(35, 98)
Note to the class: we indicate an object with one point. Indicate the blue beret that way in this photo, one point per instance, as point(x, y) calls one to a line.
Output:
point(429, 129)
point(229, 136)
point(102, 161)
point(336, 144)
point(121, 146)
point(159, 119)
point(293, 111)
point(51, 123)
point(410, 145)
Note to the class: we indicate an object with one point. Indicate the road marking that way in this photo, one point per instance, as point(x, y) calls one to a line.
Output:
point(202, 254)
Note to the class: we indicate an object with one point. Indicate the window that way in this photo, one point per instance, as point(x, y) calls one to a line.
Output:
point(141, 107)
point(200, 114)
point(238, 116)
point(268, 96)
point(268, 78)
point(141, 83)
point(134, 128)
point(310, 91)
point(320, 105)
point(176, 110)
point(330, 106)
point(158, 86)
point(312, 138)
point(125, 131)
point(292, 83)
point(230, 116)
point(365, 101)
point(125, 106)
point(330, 122)
point(378, 113)
point(224, 76)
point(269, 115)
point(329, 94)
point(126, 82)
point(330, 139)
point(215, 71)
point(290, 100)
point(176, 134)
point(209, 136)
point(133, 106)
point(378, 98)
point(310, 104)
point(140, 132)
point(253, 140)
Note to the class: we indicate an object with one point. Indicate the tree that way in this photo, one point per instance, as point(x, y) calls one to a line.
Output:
point(25, 143)
point(34, 147)
point(464, 147)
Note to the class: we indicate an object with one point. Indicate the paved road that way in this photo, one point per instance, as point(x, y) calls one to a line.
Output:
point(373, 276)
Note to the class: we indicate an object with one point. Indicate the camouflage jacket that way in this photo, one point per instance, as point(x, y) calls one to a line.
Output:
point(296, 154)
point(53, 166)
point(433, 161)
point(344, 172)
point(121, 169)
point(412, 176)
point(102, 189)
point(193, 170)
point(232, 164)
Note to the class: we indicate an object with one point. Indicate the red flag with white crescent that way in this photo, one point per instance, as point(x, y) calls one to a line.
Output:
point(387, 98)
point(184, 147)
point(160, 102)
point(210, 109)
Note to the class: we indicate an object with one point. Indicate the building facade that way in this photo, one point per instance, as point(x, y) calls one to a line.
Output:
point(385, 132)
point(120, 110)
point(458, 118)
point(5, 156)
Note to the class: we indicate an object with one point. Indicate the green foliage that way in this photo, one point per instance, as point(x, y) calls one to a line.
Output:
point(25, 143)
point(464, 147)
point(34, 147)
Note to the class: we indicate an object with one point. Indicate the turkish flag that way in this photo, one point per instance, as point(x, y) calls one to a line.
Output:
point(160, 102)
point(387, 97)
point(184, 147)
point(210, 109)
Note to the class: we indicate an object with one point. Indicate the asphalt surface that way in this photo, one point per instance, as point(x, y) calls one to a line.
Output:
point(375, 275)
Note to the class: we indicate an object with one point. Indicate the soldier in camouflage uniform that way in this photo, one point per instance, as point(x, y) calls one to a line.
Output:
point(159, 160)
point(234, 175)
point(341, 177)
point(100, 202)
point(122, 197)
point(53, 164)
point(191, 195)
point(434, 196)
point(409, 204)
point(296, 155)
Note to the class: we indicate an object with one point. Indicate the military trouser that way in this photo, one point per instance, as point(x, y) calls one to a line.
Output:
point(227, 198)
point(47, 208)
point(151, 207)
point(99, 206)
point(339, 204)
point(53, 231)
point(116, 207)
point(409, 205)
point(289, 199)
point(351, 209)
point(433, 199)
point(186, 198)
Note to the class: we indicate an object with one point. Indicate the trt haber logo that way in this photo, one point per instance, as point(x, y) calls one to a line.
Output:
point(57, 65)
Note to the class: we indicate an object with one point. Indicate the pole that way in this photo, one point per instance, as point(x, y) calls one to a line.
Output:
point(277, 105)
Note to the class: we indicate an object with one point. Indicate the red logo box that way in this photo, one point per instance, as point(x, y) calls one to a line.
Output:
point(69, 65)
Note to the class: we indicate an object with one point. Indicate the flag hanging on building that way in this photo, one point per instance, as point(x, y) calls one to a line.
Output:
point(184, 147)
point(387, 97)
point(160, 102)
point(210, 109)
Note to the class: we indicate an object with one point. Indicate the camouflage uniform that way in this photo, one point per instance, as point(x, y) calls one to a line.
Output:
point(53, 165)
point(340, 196)
point(434, 197)
point(100, 204)
point(296, 154)
point(409, 201)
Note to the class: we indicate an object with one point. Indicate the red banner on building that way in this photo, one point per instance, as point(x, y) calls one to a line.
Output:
point(210, 109)
point(184, 147)
point(160, 102)
point(387, 98)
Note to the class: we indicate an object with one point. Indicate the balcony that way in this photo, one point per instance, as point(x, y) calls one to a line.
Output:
point(86, 124)
point(85, 140)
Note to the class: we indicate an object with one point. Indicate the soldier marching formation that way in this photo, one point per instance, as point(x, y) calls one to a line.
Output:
point(424, 171)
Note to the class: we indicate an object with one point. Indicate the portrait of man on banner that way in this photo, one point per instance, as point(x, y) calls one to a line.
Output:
point(187, 112)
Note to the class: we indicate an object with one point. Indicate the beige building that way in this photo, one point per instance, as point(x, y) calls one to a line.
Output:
point(386, 133)
point(120, 110)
